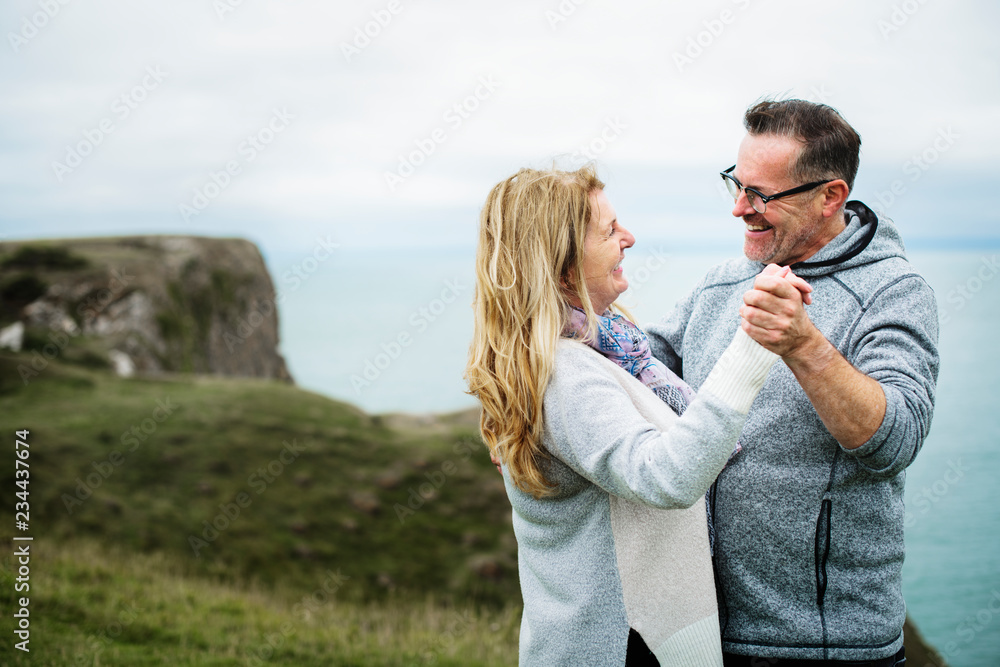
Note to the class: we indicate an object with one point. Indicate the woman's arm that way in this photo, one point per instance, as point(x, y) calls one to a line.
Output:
point(598, 422)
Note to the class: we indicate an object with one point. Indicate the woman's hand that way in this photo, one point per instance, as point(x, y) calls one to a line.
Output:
point(773, 312)
point(796, 282)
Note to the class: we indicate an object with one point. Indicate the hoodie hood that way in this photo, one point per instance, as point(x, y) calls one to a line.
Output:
point(865, 239)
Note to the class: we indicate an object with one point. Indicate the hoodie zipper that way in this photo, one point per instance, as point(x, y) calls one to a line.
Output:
point(821, 552)
point(822, 548)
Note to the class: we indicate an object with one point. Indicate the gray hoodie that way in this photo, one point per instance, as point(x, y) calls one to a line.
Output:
point(809, 535)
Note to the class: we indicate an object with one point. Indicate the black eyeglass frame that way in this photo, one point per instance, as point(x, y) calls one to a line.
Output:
point(726, 176)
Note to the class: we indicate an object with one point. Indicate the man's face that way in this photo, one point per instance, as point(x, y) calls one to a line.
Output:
point(793, 228)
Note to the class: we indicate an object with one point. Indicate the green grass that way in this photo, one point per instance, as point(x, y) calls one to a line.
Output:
point(94, 606)
point(114, 508)
point(96, 474)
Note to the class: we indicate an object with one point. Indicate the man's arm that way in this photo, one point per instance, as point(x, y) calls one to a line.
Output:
point(851, 404)
point(854, 405)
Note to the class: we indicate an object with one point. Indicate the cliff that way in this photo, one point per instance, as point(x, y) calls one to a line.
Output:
point(142, 305)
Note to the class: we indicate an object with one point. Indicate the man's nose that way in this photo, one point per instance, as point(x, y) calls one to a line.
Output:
point(742, 206)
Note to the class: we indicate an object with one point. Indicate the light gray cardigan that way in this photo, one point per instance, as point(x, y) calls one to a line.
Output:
point(624, 541)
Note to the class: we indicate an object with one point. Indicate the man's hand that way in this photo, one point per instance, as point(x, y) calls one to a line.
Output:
point(774, 312)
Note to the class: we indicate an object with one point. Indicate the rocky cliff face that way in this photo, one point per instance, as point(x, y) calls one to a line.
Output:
point(146, 304)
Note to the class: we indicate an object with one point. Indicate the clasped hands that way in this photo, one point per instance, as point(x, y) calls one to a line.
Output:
point(773, 312)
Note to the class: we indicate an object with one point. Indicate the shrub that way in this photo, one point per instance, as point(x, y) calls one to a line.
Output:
point(44, 257)
point(22, 289)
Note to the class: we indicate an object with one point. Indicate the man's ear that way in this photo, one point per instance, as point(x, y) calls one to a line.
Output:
point(835, 195)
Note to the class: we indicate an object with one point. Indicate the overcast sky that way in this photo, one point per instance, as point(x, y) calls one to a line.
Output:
point(387, 122)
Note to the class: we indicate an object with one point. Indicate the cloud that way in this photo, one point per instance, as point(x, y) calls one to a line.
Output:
point(369, 84)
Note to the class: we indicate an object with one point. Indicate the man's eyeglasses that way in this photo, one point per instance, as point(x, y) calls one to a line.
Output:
point(758, 199)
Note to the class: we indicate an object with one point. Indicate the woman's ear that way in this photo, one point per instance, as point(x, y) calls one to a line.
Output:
point(568, 281)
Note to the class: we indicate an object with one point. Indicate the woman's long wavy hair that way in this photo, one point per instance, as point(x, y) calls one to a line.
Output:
point(529, 260)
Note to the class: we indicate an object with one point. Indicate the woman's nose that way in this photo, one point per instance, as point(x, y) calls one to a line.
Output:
point(627, 239)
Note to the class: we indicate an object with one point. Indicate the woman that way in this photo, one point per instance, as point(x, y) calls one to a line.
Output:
point(591, 457)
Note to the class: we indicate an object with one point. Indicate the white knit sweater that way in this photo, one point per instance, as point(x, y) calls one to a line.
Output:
point(624, 540)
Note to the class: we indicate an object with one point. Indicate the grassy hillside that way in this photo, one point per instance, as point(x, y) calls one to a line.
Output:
point(256, 480)
point(205, 521)
point(95, 606)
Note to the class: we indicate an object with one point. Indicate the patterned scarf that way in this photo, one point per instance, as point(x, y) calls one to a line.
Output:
point(625, 344)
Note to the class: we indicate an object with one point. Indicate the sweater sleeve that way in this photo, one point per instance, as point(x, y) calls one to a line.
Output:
point(593, 426)
point(895, 343)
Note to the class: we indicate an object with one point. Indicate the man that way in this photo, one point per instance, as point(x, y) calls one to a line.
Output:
point(808, 518)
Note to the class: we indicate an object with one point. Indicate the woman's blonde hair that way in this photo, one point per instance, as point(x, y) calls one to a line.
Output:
point(529, 260)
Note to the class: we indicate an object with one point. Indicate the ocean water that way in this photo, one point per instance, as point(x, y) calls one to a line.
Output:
point(389, 331)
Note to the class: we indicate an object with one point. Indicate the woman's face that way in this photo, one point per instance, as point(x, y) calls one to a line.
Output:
point(604, 252)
